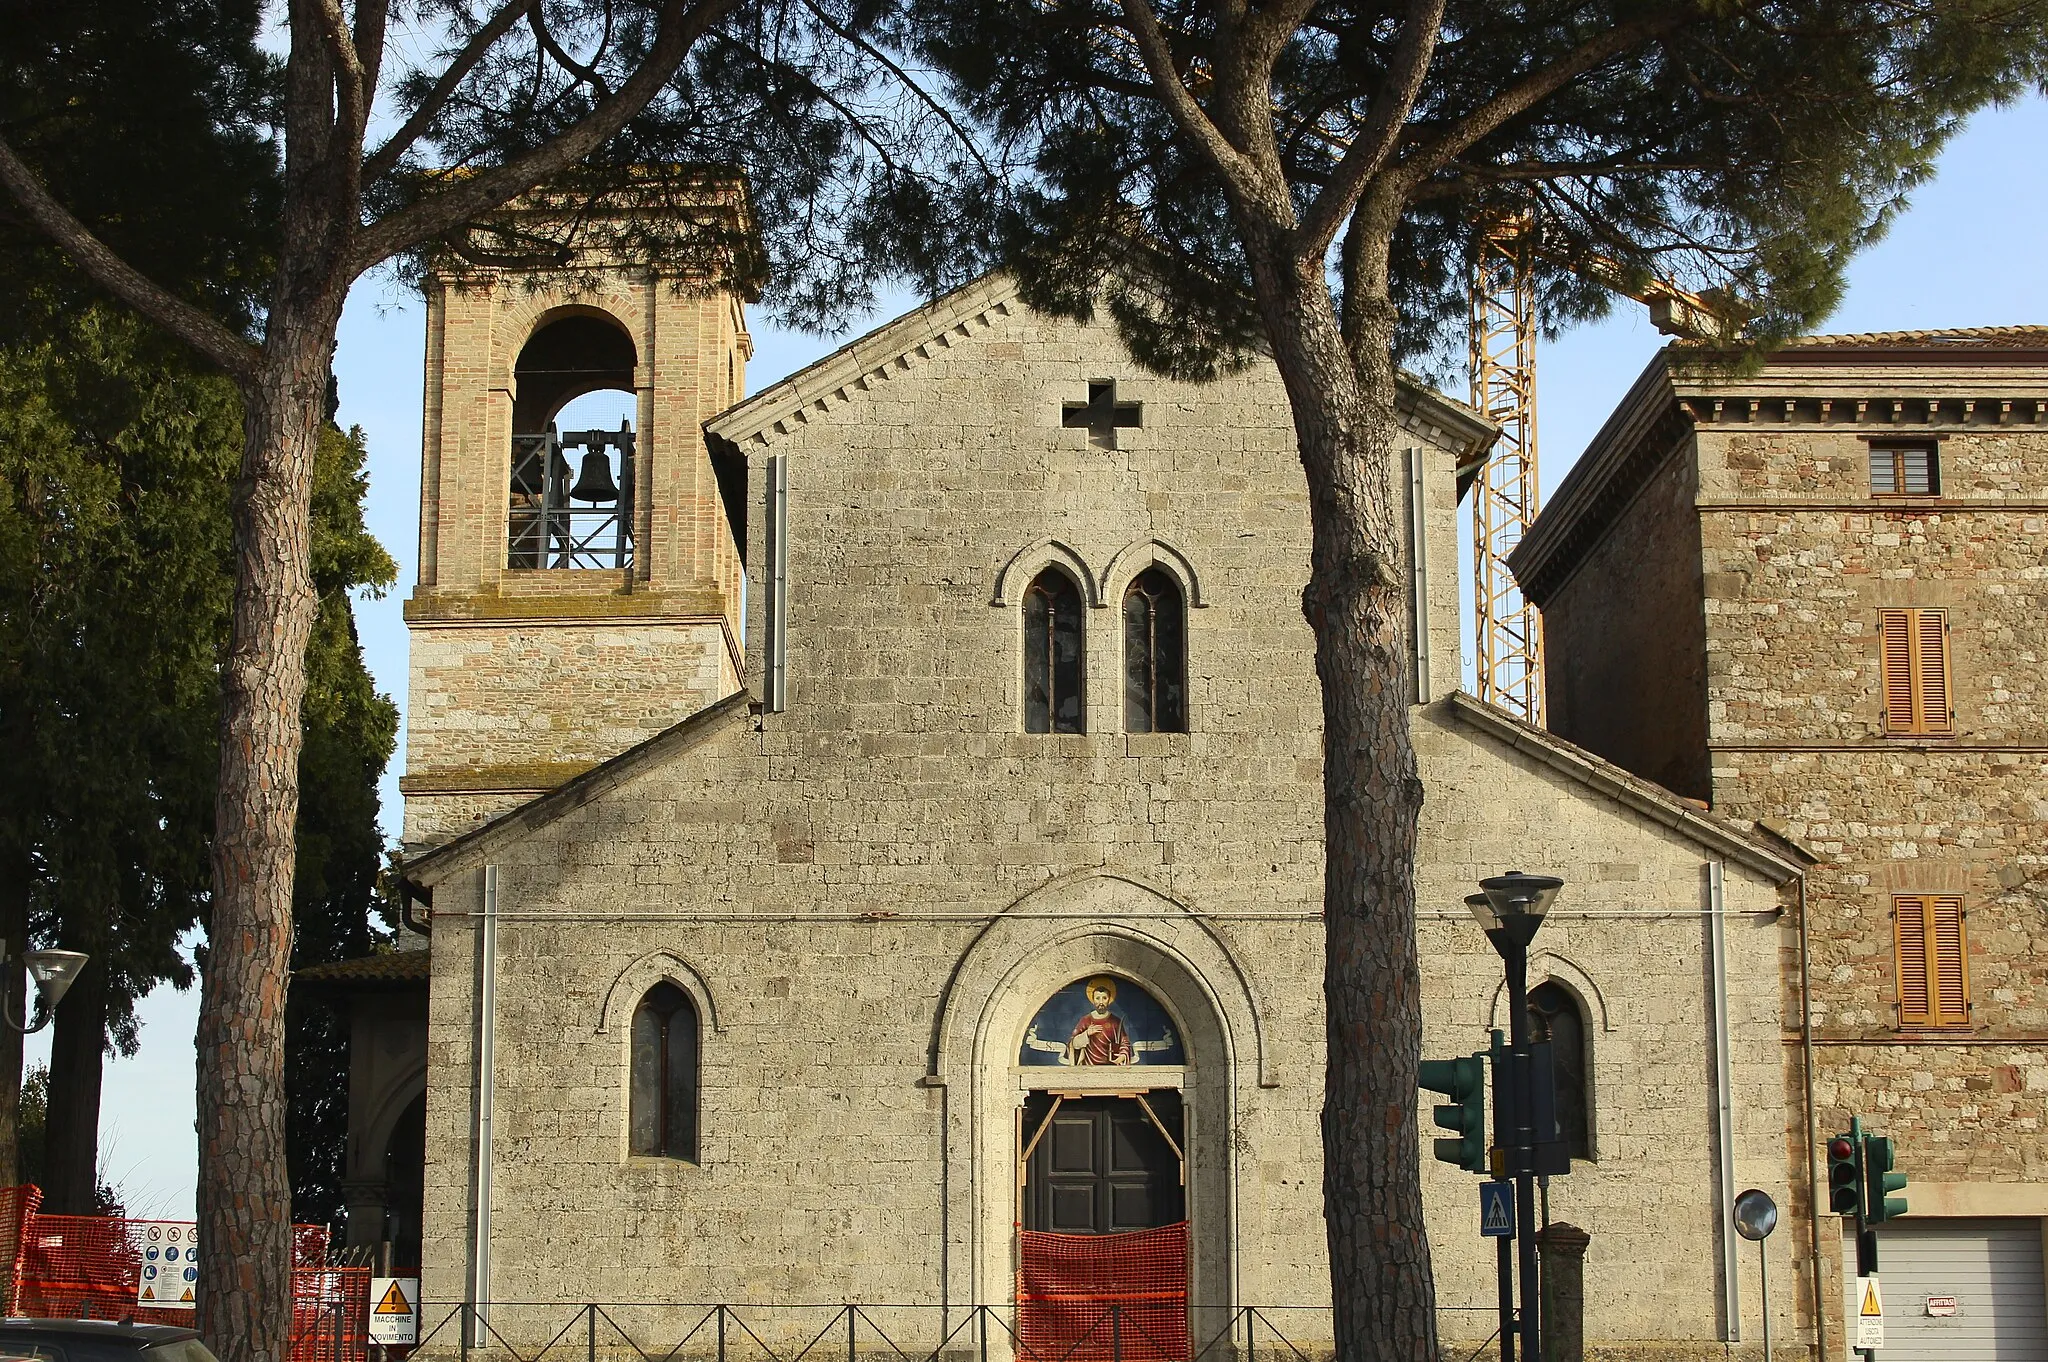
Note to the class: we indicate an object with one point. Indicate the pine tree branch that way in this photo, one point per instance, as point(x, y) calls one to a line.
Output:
point(235, 356)
point(381, 162)
point(1526, 93)
point(348, 79)
point(681, 24)
point(1230, 163)
point(902, 77)
point(1392, 102)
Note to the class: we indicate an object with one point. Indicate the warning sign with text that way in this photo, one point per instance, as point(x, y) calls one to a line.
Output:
point(395, 1311)
point(168, 1278)
point(1869, 1324)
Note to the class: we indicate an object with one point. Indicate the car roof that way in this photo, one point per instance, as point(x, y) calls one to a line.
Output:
point(112, 1331)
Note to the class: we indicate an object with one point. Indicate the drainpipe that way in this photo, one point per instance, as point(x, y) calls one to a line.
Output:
point(1419, 573)
point(1820, 1313)
point(486, 1085)
point(1724, 1102)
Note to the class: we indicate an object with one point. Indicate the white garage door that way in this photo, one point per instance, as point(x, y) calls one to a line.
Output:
point(1991, 1269)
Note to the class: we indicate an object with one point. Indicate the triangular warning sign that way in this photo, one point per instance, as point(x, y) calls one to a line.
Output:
point(187, 1296)
point(1497, 1217)
point(1871, 1305)
point(148, 1293)
point(394, 1302)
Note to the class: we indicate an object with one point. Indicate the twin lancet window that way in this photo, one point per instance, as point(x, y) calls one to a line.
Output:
point(1154, 655)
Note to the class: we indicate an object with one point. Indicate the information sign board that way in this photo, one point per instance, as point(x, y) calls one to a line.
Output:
point(168, 1277)
point(395, 1311)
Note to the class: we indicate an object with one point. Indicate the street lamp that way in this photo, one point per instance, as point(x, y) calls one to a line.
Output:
point(52, 973)
point(1509, 908)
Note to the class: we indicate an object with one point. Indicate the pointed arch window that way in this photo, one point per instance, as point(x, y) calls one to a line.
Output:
point(664, 1079)
point(1052, 654)
point(1155, 655)
point(1554, 1016)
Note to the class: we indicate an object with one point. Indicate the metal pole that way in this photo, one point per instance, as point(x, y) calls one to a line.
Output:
point(849, 1333)
point(1517, 959)
point(1504, 1270)
point(721, 1334)
point(981, 1315)
point(1116, 1333)
point(590, 1331)
point(1763, 1291)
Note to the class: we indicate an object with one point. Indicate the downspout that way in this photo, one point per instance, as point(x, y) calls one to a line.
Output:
point(1724, 1101)
point(1820, 1313)
point(486, 1086)
point(411, 891)
point(776, 682)
point(1419, 574)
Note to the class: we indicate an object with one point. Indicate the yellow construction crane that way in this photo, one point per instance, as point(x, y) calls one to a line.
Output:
point(1507, 629)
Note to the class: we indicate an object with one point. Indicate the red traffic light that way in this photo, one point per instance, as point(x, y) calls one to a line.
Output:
point(1840, 1148)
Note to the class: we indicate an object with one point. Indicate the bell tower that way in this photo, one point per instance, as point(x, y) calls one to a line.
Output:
point(579, 588)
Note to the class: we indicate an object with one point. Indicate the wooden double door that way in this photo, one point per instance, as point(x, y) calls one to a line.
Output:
point(1103, 1164)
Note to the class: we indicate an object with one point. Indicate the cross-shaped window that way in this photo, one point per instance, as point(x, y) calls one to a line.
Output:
point(1101, 414)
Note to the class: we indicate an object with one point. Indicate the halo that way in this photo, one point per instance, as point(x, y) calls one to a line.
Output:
point(1100, 981)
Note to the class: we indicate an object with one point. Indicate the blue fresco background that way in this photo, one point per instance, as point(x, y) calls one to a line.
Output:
point(1144, 1019)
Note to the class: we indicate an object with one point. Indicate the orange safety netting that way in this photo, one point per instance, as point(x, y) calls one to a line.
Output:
point(89, 1267)
point(1104, 1297)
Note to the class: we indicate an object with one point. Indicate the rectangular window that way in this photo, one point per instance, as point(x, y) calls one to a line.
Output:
point(1934, 981)
point(1914, 659)
point(1904, 471)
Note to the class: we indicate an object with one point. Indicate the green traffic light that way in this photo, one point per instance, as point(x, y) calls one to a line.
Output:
point(1879, 1181)
point(1463, 1080)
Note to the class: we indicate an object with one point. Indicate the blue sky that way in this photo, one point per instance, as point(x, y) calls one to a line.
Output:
point(1968, 253)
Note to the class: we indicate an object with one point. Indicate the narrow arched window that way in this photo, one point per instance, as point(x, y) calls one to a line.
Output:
point(1155, 655)
point(1555, 1017)
point(664, 1095)
point(1052, 654)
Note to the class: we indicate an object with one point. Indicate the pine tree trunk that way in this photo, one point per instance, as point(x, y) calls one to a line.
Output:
point(71, 1139)
point(1383, 1293)
point(245, 1257)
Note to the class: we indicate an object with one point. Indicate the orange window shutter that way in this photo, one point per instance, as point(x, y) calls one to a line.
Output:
point(1948, 966)
point(1895, 649)
point(1909, 915)
point(1931, 662)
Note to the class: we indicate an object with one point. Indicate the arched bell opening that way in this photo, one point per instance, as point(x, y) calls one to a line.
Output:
point(573, 446)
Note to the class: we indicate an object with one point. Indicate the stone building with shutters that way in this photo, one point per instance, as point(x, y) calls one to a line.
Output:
point(1816, 596)
point(908, 840)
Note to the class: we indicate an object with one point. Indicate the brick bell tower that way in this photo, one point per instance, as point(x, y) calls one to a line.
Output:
point(579, 590)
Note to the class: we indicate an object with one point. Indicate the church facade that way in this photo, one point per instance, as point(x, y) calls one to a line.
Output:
point(897, 832)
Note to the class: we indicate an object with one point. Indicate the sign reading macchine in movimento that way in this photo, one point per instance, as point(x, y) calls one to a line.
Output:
point(169, 1273)
point(1497, 1209)
point(395, 1311)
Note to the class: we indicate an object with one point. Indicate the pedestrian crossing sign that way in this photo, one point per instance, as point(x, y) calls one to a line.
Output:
point(1497, 1209)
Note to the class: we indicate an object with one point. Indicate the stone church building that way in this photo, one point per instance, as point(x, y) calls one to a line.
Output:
point(862, 825)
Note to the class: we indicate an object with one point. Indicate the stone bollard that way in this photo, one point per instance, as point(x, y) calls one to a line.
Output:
point(1562, 1251)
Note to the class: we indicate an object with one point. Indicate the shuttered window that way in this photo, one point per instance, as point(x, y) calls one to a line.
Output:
point(1934, 980)
point(1914, 647)
point(1904, 471)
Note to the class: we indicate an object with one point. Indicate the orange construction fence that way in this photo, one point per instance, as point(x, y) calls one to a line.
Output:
point(92, 1267)
point(1104, 1297)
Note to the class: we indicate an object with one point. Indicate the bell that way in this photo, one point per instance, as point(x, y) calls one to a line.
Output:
point(594, 479)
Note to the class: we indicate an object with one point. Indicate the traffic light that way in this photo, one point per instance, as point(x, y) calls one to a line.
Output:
point(1845, 1175)
point(1879, 1182)
point(1463, 1080)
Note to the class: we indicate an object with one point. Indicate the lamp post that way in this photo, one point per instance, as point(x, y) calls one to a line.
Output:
point(1509, 908)
point(52, 973)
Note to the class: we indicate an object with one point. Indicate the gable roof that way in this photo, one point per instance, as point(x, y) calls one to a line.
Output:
point(1771, 854)
point(580, 790)
point(898, 346)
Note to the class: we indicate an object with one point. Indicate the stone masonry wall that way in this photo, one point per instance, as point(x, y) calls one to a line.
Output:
point(1793, 603)
point(829, 882)
point(1641, 705)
